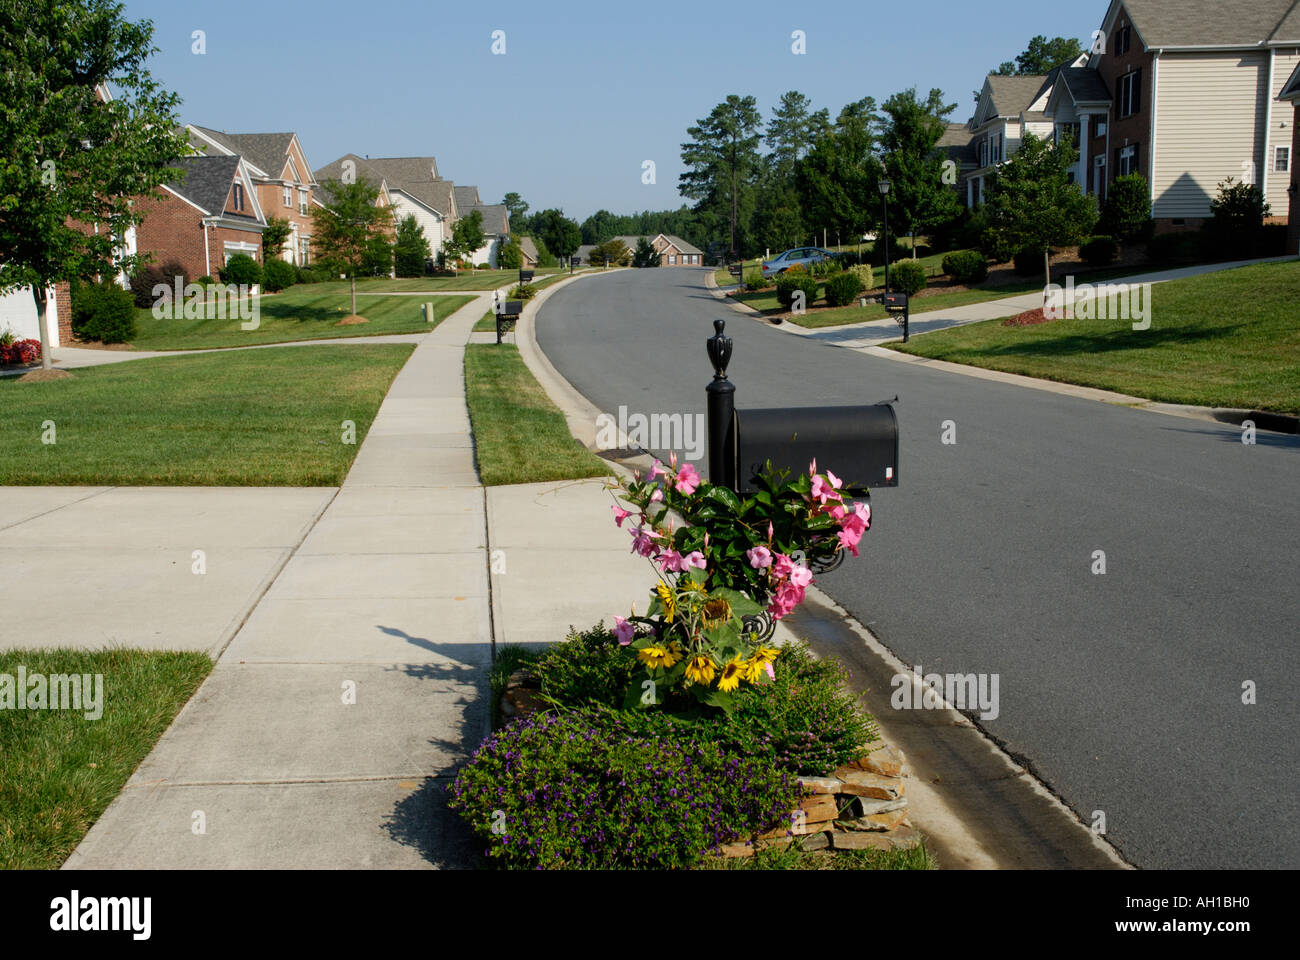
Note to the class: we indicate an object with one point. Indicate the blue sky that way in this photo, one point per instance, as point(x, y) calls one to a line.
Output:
point(580, 99)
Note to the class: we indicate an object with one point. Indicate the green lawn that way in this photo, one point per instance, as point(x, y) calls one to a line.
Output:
point(488, 322)
point(519, 435)
point(269, 417)
point(467, 280)
point(60, 770)
point(1227, 339)
point(300, 313)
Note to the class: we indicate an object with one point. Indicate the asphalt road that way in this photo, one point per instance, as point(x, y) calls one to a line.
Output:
point(1122, 691)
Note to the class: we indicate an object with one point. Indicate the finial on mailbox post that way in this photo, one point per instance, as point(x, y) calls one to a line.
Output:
point(719, 350)
point(721, 394)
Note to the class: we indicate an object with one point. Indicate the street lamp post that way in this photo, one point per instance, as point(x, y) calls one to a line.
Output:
point(884, 193)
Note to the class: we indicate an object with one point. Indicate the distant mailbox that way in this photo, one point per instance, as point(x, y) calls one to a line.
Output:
point(894, 302)
point(525, 276)
point(859, 444)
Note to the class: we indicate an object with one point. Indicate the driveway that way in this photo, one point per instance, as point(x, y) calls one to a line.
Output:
point(1123, 691)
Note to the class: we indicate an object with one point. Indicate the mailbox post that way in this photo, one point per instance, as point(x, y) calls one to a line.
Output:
point(508, 312)
point(899, 307)
point(721, 411)
point(525, 276)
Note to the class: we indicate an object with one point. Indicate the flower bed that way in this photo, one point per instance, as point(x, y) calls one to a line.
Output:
point(684, 735)
point(19, 352)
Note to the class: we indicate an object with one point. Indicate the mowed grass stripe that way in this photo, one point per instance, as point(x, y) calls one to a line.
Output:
point(270, 417)
point(519, 435)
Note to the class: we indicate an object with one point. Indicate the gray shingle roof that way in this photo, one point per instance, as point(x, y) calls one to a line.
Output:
point(206, 182)
point(435, 194)
point(1213, 23)
point(529, 248)
point(467, 197)
point(334, 171)
point(1086, 86)
point(958, 143)
point(495, 220)
point(1014, 95)
point(406, 169)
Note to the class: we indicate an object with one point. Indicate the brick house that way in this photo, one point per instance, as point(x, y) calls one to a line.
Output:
point(204, 218)
point(281, 176)
point(1291, 94)
point(1184, 92)
point(673, 251)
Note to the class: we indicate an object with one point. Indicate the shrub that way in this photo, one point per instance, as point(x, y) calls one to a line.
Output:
point(241, 269)
point(966, 266)
point(1099, 251)
point(754, 280)
point(949, 235)
point(206, 280)
point(278, 275)
point(793, 280)
point(1237, 220)
point(804, 722)
point(146, 278)
point(104, 312)
point(907, 276)
point(843, 288)
point(1126, 214)
point(522, 291)
point(1173, 247)
point(1028, 263)
point(587, 789)
point(826, 268)
point(865, 274)
point(18, 351)
point(310, 275)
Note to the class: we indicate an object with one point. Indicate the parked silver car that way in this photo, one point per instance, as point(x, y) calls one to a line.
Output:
point(801, 255)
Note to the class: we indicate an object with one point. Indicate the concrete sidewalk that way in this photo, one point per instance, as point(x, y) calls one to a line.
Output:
point(329, 727)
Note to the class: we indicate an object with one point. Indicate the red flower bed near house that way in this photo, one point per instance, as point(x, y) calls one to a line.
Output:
point(20, 352)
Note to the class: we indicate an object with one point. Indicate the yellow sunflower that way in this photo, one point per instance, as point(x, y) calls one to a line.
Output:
point(731, 675)
point(755, 669)
point(717, 612)
point(656, 656)
point(700, 669)
point(766, 654)
point(668, 600)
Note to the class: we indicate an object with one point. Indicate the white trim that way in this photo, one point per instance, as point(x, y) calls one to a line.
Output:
point(206, 213)
point(1267, 159)
point(248, 179)
point(1155, 91)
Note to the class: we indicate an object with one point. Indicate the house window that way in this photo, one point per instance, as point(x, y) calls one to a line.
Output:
point(302, 202)
point(1130, 93)
point(1123, 40)
point(1128, 157)
point(238, 192)
point(672, 259)
point(1282, 160)
point(288, 196)
point(304, 251)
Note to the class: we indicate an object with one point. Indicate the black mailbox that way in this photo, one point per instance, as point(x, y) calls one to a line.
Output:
point(894, 302)
point(508, 312)
point(859, 444)
point(525, 276)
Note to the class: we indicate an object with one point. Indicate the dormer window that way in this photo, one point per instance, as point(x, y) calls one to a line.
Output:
point(237, 196)
point(1123, 40)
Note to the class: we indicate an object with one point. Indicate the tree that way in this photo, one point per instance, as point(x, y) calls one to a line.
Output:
point(466, 236)
point(516, 208)
point(837, 180)
point(561, 235)
point(277, 231)
point(411, 251)
point(918, 196)
point(645, 255)
point(511, 255)
point(600, 226)
point(723, 164)
point(1126, 214)
point(611, 253)
point(72, 163)
point(793, 129)
point(1041, 57)
point(778, 222)
point(345, 229)
point(1237, 218)
point(1032, 205)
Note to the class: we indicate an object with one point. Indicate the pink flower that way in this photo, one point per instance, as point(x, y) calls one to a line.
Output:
point(801, 576)
point(771, 674)
point(823, 490)
point(672, 560)
point(760, 558)
point(657, 471)
point(769, 531)
point(838, 510)
point(623, 630)
point(695, 559)
point(672, 459)
point(687, 480)
point(812, 468)
point(620, 514)
point(657, 495)
point(783, 566)
point(849, 540)
point(643, 543)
